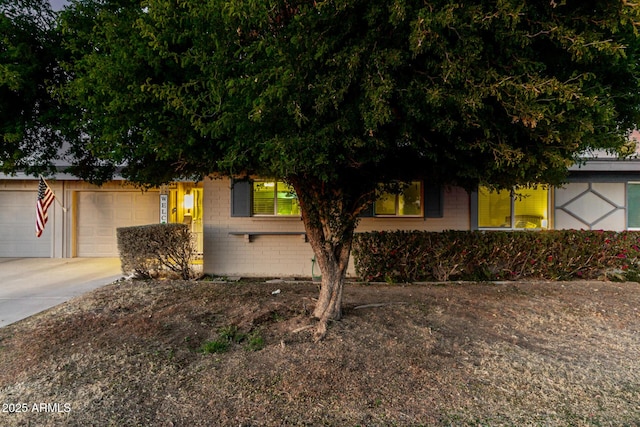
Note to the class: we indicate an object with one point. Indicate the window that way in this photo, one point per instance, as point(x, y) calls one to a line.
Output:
point(633, 205)
point(525, 208)
point(407, 203)
point(274, 198)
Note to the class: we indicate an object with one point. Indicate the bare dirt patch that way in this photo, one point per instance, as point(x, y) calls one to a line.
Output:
point(455, 354)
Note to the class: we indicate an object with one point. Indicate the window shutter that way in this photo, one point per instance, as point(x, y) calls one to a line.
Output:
point(433, 202)
point(241, 198)
point(366, 212)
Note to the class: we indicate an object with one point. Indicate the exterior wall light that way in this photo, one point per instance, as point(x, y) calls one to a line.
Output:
point(187, 202)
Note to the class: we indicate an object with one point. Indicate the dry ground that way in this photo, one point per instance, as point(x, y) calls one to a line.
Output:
point(129, 354)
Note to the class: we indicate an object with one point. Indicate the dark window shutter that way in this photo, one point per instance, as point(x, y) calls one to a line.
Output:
point(366, 212)
point(433, 202)
point(240, 198)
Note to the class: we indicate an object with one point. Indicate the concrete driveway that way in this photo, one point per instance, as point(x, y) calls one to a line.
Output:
point(31, 285)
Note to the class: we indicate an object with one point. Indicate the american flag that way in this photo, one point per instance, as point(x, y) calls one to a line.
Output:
point(45, 198)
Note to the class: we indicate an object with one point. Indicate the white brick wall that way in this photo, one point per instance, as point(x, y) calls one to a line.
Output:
point(286, 256)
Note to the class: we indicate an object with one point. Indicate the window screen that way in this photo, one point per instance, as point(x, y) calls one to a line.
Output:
point(274, 198)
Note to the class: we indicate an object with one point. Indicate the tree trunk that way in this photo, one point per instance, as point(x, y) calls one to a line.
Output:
point(333, 263)
point(330, 300)
point(333, 260)
point(330, 219)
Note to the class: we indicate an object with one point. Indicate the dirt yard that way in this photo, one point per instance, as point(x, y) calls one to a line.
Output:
point(171, 353)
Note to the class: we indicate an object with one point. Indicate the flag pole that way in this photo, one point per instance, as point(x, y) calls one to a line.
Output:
point(54, 194)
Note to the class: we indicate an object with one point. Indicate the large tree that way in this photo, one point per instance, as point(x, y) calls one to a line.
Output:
point(108, 64)
point(340, 97)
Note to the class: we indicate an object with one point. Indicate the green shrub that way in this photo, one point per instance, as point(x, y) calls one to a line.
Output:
point(147, 248)
point(496, 255)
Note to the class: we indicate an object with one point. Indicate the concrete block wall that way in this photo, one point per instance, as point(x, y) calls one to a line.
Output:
point(226, 254)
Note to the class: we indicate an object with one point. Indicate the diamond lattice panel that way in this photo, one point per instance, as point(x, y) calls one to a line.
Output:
point(569, 192)
point(590, 207)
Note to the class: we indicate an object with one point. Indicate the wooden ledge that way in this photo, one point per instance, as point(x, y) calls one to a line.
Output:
point(249, 234)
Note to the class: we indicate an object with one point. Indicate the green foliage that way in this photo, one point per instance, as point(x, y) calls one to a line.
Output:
point(229, 335)
point(496, 255)
point(255, 341)
point(123, 123)
point(349, 92)
point(215, 346)
point(29, 114)
point(147, 248)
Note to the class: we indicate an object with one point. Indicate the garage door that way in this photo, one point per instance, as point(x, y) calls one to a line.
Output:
point(17, 226)
point(101, 212)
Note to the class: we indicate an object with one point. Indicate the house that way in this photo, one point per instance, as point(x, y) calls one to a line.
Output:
point(86, 226)
point(253, 228)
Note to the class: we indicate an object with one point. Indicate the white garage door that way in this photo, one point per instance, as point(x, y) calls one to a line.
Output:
point(101, 212)
point(18, 226)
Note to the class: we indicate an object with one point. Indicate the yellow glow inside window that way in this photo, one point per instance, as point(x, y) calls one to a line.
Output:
point(407, 203)
point(274, 198)
point(527, 208)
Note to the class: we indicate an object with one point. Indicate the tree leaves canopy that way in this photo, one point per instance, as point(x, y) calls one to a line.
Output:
point(124, 124)
point(29, 115)
point(491, 92)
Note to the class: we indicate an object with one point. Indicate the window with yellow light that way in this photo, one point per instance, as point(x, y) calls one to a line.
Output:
point(274, 198)
point(517, 209)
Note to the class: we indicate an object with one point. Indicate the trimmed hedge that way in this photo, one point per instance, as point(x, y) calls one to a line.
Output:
point(148, 248)
point(409, 256)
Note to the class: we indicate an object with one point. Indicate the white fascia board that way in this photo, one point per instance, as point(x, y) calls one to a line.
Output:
point(607, 165)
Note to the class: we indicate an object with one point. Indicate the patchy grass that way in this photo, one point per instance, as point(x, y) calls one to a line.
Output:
point(133, 353)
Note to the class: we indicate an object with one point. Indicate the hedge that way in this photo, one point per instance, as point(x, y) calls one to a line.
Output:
point(149, 248)
point(409, 256)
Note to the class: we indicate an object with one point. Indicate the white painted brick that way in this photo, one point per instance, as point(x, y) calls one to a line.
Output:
point(290, 255)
